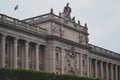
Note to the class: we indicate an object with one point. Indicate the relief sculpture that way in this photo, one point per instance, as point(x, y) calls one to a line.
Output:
point(71, 62)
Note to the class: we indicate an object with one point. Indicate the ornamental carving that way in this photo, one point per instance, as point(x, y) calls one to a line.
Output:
point(71, 61)
point(53, 29)
point(61, 30)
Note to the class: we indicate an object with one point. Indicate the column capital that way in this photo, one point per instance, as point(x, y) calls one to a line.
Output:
point(116, 65)
point(27, 42)
point(107, 63)
point(3, 36)
point(101, 61)
point(38, 44)
point(96, 60)
point(16, 38)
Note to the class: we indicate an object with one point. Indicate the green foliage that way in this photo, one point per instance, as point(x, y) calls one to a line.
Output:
point(22, 74)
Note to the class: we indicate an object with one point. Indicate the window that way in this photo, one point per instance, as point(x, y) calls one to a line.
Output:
point(83, 63)
point(58, 53)
point(57, 57)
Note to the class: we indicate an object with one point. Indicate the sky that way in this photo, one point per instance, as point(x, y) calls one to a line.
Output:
point(102, 16)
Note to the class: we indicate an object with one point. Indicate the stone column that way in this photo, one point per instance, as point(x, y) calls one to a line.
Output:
point(62, 60)
point(23, 55)
point(37, 57)
point(90, 71)
point(26, 55)
point(88, 66)
point(81, 64)
point(116, 71)
point(53, 60)
point(107, 74)
point(46, 58)
point(101, 68)
point(96, 71)
point(112, 71)
point(119, 72)
point(3, 51)
point(15, 52)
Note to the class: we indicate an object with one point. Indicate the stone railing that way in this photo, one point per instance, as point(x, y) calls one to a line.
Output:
point(56, 18)
point(21, 24)
point(37, 18)
point(104, 52)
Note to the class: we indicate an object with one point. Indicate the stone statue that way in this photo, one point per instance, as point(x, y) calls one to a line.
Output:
point(67, 11)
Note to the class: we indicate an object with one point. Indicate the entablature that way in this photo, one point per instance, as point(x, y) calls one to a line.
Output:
point(104, 52)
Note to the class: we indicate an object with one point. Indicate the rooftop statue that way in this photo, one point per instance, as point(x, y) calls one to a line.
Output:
point(67, 11)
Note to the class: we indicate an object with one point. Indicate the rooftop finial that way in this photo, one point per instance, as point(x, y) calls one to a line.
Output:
point(85, 25)
point(51, 11)
point(86, 29)
point(73, 19)
point(78, 22)
point(60, 14)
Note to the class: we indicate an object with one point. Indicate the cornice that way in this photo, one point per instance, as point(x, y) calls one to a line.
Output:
point(16, 27)
point(111, 55)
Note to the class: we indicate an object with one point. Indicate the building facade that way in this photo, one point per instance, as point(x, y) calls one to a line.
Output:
point(54, 43)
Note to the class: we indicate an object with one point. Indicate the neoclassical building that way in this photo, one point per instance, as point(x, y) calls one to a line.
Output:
point(54, 43)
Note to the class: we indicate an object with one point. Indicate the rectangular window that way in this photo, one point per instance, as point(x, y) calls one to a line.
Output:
point(58, 53)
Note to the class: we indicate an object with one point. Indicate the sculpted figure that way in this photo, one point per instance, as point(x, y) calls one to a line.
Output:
point(67, 11)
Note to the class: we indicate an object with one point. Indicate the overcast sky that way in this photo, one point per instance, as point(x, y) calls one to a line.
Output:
point(101, 16)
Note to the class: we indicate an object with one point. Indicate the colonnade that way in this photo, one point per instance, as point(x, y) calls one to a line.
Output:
point(103, 69)
point(19, 53)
